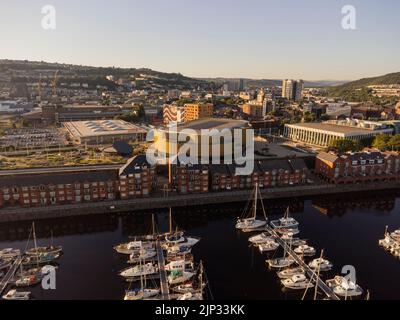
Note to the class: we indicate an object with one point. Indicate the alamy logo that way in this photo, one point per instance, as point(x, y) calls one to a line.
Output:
point(349, 273)
point(49, 278)
point(205, 146)
point(349, 18)
point(49, 17)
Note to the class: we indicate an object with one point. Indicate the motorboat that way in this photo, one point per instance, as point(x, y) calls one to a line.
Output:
point(280, 262)
point(9, 253)
point(395, 235)
point(133, 247)
point(344, 288)
point(191, 296)
point(179, 265)
point(305, 250)
point(288, 273)
point(251, 223)
point(321, 264)
point(178, 277)
point(286, 222)
point(188, 287)
point(142, 255)
point(179, 249)
point(287, 231)
point(288, 238)
point(139, 270)
point(44, 250)
point(387, 243)
point(186, 241)
point(297, 282)
point(268, 246)
point(15, 295)
point(141, 294)
point(28, 281)
point(260, 239)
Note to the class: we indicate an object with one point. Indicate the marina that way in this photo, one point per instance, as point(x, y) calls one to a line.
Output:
point(362, 222)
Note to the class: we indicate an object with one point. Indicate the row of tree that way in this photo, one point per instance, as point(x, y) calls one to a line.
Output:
point(381, 142)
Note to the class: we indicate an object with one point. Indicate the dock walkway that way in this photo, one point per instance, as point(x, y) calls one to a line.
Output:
point(165, 295)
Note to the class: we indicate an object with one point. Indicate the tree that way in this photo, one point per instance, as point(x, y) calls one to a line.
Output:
point(344, 145)
point(394, 143)
point(381, 142)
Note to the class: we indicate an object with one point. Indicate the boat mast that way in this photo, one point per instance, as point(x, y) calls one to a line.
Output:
point(318, 274)
point(255, 201)
point(35, 243)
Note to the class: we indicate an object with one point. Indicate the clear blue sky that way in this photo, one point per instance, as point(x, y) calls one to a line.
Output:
point(210, 38)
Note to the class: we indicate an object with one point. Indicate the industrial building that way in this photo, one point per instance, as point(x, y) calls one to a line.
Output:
point(104, 132)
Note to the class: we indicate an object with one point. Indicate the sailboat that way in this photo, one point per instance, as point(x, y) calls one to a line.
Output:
point(285, 222)
point(345, 288)
point(176, 237)
point(143, 254)
point(305, 251)
point(39, 258)
point(133, 247)
point(252, 223)
point(9, 253)
point(260, 239)
point(290, 272)
point(143, 292)
point(139, 270)
point(268, 246)
point(321, 264)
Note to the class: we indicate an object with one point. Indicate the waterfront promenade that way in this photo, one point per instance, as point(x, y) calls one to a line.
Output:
point(161, 202)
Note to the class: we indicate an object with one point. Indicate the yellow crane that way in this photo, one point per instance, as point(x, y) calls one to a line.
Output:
point(54, 83)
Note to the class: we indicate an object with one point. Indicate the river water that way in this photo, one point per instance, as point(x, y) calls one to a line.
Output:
point(346, 227)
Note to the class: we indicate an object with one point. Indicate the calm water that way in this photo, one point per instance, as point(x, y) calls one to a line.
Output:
point(347, 228)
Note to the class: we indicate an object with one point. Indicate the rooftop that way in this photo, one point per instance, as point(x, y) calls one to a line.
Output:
point(101, 127)
point(214, 123)
point(333, 128)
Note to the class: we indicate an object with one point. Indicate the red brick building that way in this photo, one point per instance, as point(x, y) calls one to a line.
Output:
point(191, 178)
point(77, 185)
point(360, 167)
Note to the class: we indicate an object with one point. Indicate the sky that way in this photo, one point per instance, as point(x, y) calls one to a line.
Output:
point(269, 39)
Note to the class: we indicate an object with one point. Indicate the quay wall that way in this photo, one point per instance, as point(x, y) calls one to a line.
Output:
point(130, 206)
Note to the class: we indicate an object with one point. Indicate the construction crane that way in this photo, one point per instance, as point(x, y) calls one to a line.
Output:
point(40, 88)
point(54, 83)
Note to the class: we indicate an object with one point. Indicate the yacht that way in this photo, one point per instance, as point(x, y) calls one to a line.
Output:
point(27, 281)
point(15, 295)
point(178, 277)
point(305, 250)
point(296, 242)
point(321, 264)
point(268, 246)
point(179, 250)
point(139, 270)
point(142, 255)
point(44, 250)
point(297, 282)
point(40, 259)
point(285, 222)
point(288, 273)
point(141, 294)
point(288, 232)
point(9, 253)
point(179, 265)
point(251, 223)
point(188, 287)
point(133, 247)
point(344, 288)
point(260, 239)
point(280, 262)
point(395, 235)
point(191, 296)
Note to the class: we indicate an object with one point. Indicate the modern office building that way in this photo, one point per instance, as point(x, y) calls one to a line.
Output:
point(292, 89)
point(196, 111)
point(321, 134)
point(104, 132)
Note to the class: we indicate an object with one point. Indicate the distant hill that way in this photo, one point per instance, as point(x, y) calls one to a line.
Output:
point(391, 78)
point(358, 91)
point(274, 82)
point(24, 70)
